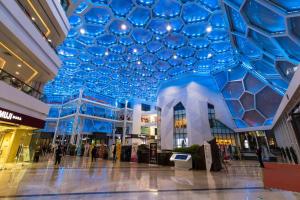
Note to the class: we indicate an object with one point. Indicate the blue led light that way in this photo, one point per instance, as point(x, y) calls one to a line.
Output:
point(125, 49)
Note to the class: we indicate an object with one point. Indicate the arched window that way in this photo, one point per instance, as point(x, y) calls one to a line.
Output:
point(180, 132)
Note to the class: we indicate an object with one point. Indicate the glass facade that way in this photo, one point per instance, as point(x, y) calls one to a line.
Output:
point(180, 125)
point(223, 134)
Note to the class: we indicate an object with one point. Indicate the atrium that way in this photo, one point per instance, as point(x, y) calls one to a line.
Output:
point(155, 99)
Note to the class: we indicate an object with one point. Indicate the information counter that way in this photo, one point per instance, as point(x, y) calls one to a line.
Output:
point(182, 160)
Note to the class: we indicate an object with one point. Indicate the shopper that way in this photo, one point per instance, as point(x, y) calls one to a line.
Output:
point(94, 154)
point(114, 153)
point(58, 155)
point(259, 157)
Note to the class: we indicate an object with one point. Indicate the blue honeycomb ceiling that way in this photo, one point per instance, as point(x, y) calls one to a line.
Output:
point(126, 48)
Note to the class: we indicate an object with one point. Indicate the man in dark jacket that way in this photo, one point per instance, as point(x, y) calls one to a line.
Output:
point(94, 153)
point(58, 155)
point(259, 157)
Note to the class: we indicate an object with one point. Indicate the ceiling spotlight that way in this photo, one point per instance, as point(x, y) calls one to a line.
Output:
point(175, 57)
point(208, 29)
point(229, 70)
point(123, 27)
point(169, 27)
point(19, 65)
point(138, 62)
point(209, 55)
point(49, 40)
point(17, 73)
point(82, 31)
point(295, 68)
point(32, 18)
point(134, 50)
point(106, 53)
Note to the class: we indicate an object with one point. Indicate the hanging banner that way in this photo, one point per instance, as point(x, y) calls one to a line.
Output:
point(153, 153)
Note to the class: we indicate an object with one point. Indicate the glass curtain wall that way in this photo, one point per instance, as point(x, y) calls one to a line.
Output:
point(180, 125)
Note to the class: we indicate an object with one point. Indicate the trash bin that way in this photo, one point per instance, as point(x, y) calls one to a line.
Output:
point(126, 153)
point(143, 153)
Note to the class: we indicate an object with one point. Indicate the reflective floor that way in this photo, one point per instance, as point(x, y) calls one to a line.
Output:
point(78, 178)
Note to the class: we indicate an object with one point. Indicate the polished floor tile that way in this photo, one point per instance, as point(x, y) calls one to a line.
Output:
point(79, 178)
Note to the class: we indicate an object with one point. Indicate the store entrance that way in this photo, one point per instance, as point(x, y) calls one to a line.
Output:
point(6, 134)
point(15, 143)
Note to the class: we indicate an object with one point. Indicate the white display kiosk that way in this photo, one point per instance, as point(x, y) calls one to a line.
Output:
point(182, 160)
point(208, 157)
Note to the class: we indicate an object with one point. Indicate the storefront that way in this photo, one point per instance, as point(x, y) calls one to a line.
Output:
point(16, 133)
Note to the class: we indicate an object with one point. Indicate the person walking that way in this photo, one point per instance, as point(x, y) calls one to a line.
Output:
point(58, 155)
point(259, 157)
point(114, 153)
point(94, 153)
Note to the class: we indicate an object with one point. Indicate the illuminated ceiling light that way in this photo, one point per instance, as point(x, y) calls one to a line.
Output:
point(208, 29)
point(32, 18)
point(49, 40)
point(123, 27)
point(175, 57)
point(19, 65)
point(295, 68)
point(134, 50)
point(106, 53)
point(17, 73)
point(138, 62)
point(82, 31)
point(229, 70)
point(169, 27)
point(209, 55)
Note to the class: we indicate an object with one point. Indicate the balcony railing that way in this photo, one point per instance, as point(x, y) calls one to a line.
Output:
point(48, 40)
point(17, 83)
point(65, 4)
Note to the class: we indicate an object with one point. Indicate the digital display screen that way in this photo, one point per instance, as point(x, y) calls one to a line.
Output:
point(181, 157)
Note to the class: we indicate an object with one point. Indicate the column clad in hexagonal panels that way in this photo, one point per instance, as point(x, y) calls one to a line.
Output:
point(247, 100)
point(273, 29)
point(253, 118)
point(264, 18)
point(252, 84)
point(233, 90)
point(267, 101)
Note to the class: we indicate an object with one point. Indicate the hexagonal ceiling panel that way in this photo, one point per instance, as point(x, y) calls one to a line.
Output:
point(126, 48)
point(152, 40)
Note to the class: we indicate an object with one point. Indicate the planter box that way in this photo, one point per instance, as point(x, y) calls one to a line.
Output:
point(282, 176)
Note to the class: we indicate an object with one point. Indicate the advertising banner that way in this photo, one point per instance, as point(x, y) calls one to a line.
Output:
point(153, 153)
point(134, 152)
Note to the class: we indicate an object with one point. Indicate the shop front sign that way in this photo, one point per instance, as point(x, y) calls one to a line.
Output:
point(9, 115)
point(21, 119)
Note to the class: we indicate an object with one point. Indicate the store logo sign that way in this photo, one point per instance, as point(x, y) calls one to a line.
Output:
point(9, 116)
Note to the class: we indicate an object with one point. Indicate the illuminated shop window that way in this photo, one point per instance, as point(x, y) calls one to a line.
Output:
point(223, 134)
point(180, 132)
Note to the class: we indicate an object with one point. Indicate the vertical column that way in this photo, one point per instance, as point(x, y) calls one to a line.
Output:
point(267, 143)
point(124, 123)
point(57, 124)
point(255, 136)
point(76, 117)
